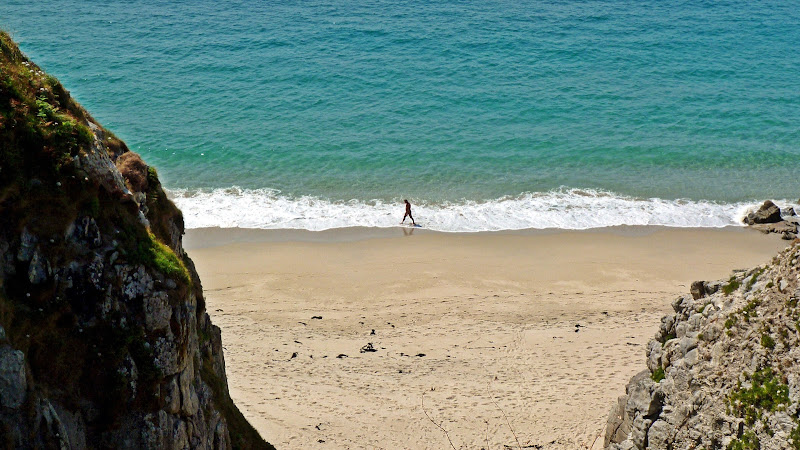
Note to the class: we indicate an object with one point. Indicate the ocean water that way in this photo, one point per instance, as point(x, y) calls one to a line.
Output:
point(487, 115)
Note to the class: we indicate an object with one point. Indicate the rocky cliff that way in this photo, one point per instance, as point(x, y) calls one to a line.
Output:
point(104, 337)
point(723, 371)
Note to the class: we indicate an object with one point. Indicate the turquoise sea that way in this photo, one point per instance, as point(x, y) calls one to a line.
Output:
point(486, 114)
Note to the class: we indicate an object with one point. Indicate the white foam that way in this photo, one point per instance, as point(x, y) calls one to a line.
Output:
point(573, 209)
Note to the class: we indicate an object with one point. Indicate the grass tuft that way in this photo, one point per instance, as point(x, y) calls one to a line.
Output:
point(733, 284)
point(766, 393)
point(749, 441)
point(154, 254)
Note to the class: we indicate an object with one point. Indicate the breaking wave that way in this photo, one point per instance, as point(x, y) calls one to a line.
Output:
point(571, 209)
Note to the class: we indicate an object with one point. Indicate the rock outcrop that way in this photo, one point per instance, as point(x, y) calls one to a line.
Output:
point(769, 218)
point(767, 213)
point(104, 337)
point(723, 371)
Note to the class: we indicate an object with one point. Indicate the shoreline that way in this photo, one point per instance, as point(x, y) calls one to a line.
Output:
point(198, 238)
point(544, 327)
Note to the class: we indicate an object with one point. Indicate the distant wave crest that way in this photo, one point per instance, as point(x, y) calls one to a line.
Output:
point(573, 209)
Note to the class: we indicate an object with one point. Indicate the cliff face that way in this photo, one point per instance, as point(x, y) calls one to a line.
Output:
point(724, 370)
point(104, 337)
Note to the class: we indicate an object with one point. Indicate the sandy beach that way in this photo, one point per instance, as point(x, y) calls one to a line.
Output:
point(504, 340)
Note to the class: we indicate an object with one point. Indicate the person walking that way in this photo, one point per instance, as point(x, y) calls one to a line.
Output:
point(408, 214)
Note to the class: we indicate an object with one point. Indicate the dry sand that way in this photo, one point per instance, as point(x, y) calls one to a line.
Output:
point(507, 338)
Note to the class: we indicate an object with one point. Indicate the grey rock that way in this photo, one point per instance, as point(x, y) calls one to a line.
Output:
point(618, 426)
point(653, 355)
point(678, 304)
point(180, 440)
point(640, 396)
point(100, 167)
point(782, 423)
point(158, 311)
point(712, 287)
point(639, 430)
point(698, 289)
point(658, 435)
point(691, 357)
point(173, 399)
point(686, 344)
point(670, 353)
point(189, 401)
point(143, 219)
point(136, 281)
point(788, 212)
point(220, 436)
point(694, 322)
point(666, 328)
point(13, 383)
point(165, 350)
point(681, 328)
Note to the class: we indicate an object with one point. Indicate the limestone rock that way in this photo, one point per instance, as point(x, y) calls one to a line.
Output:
point(709, 349)
point(619, 424)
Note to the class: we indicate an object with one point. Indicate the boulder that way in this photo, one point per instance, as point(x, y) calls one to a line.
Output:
point(767, 213)
point(698, 289)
